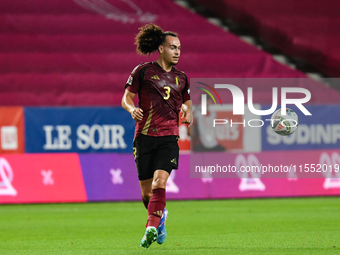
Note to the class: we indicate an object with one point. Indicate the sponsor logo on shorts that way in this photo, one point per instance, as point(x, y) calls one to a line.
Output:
point(174, 160)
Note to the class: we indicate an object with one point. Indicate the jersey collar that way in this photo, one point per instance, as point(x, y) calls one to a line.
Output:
point(172, 68)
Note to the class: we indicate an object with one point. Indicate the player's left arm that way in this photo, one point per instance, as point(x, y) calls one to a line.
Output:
point(187, 112)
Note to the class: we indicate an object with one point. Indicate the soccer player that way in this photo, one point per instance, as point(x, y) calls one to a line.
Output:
point(162, 89)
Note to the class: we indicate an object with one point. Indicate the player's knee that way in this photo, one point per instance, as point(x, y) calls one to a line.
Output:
point(159, 184)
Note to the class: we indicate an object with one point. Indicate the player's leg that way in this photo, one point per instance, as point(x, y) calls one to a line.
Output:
point(167, 155)
point(146, 190)
point(159, 182)
point(155, 207)
point(145, 156)
point(151, 233)
point(164, 159)
point(144, 162)
point(157, 201)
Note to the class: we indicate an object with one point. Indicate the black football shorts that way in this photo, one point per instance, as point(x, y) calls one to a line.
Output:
point(155, 153)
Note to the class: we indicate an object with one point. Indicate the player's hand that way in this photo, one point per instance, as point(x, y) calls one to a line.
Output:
point(187, 116)
point(137, 114)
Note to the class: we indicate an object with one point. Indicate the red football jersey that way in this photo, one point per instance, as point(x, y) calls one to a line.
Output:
point(161, 95)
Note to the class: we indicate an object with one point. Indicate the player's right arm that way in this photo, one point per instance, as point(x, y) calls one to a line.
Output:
point(127, 104)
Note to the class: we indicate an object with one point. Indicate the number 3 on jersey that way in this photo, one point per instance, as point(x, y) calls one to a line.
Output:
point(167, 92)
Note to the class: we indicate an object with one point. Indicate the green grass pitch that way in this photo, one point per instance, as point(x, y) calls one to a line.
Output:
point(248, 226)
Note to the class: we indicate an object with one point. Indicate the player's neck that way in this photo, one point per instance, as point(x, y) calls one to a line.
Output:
point(165, 66)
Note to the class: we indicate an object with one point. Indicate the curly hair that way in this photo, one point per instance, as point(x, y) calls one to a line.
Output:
point(150, 37)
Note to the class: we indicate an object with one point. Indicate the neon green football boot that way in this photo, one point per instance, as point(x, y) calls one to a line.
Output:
point(149, 237)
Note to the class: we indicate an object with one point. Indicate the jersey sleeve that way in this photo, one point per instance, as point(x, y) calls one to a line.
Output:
point(133, 82)
point(186, 91)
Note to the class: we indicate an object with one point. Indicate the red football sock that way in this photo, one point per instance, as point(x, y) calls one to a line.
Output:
point(145, 202)
point(156, 207)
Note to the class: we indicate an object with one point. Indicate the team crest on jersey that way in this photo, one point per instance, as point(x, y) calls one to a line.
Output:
point(129, 81)
point(178, 81)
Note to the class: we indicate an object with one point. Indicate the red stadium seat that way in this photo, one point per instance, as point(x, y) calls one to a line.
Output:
point(64, 53)
point(306, 29)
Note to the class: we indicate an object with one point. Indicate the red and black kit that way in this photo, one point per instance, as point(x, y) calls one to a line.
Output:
point(161, 95)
